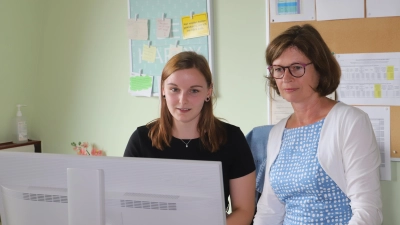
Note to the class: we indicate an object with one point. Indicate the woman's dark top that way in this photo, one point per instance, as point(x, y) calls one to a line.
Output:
point(235, 154)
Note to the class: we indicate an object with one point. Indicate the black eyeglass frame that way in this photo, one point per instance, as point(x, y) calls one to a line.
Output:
point(271, 71)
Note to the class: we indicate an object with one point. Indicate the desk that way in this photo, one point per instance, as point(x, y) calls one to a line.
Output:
point(29, 146)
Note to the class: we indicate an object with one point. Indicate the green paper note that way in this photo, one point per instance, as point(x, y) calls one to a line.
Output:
point(139, 83)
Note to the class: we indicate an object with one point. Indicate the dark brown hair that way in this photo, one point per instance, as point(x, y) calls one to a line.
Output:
point(211, 129)
point(307, 40)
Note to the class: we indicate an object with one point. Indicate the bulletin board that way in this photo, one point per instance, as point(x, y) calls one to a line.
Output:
point(174, 10)
point(364, 35)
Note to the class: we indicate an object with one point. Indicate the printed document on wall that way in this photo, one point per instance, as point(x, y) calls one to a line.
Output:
point(370, 79)
point(280, 108)
point(339, 9)
point(291, 10)
point(380, 119)
point(379, 8)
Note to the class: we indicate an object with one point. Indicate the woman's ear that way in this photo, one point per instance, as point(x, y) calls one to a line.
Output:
point(210, 90)
point(162, 90)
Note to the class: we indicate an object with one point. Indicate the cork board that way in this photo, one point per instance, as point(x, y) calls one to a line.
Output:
point(365, 35)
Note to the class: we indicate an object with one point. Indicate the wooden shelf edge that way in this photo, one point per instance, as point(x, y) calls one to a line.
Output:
point(10, 144)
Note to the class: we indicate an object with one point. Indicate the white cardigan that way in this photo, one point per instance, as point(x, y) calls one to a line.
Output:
point(349, 154)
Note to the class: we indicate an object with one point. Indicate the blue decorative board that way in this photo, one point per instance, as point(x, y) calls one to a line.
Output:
point(174, 10)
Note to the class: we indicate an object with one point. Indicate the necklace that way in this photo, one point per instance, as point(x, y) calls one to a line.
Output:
point(187, 144)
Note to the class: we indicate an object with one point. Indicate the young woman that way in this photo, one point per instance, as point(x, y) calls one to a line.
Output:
point(188, 129)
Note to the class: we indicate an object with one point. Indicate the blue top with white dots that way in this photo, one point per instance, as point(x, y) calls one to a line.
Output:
point(297, 178)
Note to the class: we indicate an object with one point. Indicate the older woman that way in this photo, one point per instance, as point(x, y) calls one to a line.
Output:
point(323, 160)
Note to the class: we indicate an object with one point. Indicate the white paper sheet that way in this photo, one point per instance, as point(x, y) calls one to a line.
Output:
point(174, 49)
point(370, 79)
point(138, 29)
point(280, 108)
point(339, 9)
point(292, 10)
point(379, 8)
point(163, 28)
point(380, 119)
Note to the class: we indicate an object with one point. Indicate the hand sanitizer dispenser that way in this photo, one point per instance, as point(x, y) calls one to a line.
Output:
point(21, 134)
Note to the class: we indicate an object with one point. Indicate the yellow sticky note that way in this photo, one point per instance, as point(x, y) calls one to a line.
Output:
point(149, 53)
point(377, 91)
point(390, 72)
point(196, 26)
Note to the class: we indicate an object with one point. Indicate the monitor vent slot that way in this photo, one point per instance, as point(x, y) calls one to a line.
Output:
point(148, 205)
point(44, 198)
point(131, 194)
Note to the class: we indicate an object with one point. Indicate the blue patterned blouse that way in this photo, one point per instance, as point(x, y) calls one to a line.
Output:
point(297, 178)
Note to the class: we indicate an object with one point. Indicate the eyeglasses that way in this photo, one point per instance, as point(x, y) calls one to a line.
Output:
point(296, 69)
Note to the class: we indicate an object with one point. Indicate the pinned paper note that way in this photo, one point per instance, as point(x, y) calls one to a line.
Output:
point(292, 10)
point(138, 29)
point(163, 28)
point(379, 8)
point(140, 85)
point(286, 7)
point(149, 53)
point(195, 26)
point(173, 50)
point(369, 78)
point(339, 9)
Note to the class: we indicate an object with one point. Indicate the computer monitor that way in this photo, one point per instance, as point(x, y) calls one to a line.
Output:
point(34, 190)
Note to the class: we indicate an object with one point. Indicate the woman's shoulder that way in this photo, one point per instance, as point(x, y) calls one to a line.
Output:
point(343, 110)
point(142, 131)
point(143, 128)
point(229, 127)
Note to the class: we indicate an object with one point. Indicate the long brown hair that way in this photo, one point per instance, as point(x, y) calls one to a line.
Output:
point(211, 129)
point(309, 41)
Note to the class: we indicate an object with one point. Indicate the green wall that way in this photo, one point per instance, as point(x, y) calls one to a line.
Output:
point(69, 61)
point(80, 70)
point(391, 197)
point(21, 36)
